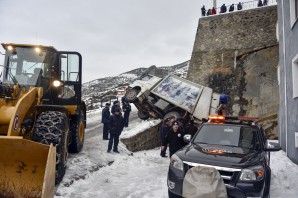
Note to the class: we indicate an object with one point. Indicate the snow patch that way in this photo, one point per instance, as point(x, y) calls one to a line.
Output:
point(141, 126)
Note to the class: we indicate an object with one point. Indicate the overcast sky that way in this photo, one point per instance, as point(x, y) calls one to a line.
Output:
point(113, 36)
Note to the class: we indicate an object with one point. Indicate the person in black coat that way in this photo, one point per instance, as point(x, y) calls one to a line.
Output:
point(239, 6)
point(190, 128)
point(231, 9)
point(174, 138)
point(126, 108)
point(163, 132)
point(203, 9)
point(105, 119)
point(260, 4)
point(116, 104)
point(116, 127)
point(223, 8)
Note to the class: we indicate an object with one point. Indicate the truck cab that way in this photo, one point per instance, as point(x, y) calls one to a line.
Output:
point(171, 97)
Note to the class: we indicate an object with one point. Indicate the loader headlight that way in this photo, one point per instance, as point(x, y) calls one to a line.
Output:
point(10, 48)
point(252, 174)
point(57, 83)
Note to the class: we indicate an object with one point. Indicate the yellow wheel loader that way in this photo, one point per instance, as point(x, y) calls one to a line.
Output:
point(42, 118)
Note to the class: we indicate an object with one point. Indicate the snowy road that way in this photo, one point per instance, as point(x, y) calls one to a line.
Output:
point(96, 173)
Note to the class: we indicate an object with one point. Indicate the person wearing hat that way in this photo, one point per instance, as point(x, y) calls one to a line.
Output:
point(174, 138)
point(116, 126)
point(105, 119)
point(163, 131)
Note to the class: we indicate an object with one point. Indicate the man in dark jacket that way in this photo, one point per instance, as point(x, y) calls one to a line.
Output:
point(126, 108)
point(203, 9)
point(231, 9)
point(116, 127)
point(223, 8)
point(105, 119)
point(116, 104)
point(190, 128)
point(239, 6)
point(174, 139)
point(163, 132)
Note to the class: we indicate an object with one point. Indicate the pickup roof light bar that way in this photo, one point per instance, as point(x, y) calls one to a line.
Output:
point(232, 119)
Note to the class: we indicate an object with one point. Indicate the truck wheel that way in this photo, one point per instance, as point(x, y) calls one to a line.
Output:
point(77, 128)
point(131, 95)
point(172, 115)
point(143, 115)
point(51, 127)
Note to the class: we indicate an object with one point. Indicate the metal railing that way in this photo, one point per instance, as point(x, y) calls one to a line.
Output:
point(245, 6)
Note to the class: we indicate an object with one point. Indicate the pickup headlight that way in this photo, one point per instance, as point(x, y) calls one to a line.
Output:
point(254, 173)
point(176, 162)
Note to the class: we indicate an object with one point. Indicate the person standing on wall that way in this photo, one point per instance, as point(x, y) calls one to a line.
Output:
point(116, 127)
point(213, 11)
point(239, 6)
point(231, 9)
point(126, 108)
point(163, 132)
point(174, 138)
point(223, 8)
point(105, 119)
point(265, 2)
point(203, 9)
point(260, 4)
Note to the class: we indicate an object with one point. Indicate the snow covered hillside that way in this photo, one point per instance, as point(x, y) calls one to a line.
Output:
point(96, 173)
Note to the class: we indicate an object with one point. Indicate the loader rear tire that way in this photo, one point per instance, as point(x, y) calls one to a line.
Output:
point(77, 128)
point(52, 128)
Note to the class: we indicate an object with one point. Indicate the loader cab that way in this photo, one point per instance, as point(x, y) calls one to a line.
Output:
point(58, 73)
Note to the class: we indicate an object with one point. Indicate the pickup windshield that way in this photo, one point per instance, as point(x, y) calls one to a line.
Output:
point(228, 135)
point(26, 65)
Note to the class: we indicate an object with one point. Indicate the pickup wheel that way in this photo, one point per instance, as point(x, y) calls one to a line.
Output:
point(172, 115)
point(143, 115)
point(131, 95)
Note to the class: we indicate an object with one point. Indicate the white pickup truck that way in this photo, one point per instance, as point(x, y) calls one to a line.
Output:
point(171, 96)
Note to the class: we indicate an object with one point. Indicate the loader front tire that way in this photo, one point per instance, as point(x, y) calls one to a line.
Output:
point(52, 128)
point(77, 128)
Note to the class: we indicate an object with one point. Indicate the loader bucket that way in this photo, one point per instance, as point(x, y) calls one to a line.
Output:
point(27, 168)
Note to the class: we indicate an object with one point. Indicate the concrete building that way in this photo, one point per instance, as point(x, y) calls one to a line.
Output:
point(288, 76)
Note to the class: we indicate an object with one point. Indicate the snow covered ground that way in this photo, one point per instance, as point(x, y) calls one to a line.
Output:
point(96, 173)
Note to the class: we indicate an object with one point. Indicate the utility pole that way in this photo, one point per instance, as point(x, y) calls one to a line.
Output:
point(214, 4)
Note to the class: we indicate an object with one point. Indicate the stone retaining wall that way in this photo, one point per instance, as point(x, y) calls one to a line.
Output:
point(148, 139)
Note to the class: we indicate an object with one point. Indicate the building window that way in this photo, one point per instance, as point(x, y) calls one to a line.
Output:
point(295, 76)
point(296, 9)
point(293, 11)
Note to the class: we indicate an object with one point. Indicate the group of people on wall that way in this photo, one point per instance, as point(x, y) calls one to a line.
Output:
point(223, 8)
point(114, 122)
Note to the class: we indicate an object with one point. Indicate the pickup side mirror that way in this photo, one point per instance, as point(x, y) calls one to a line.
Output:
point(272, 146)
point(187, 138)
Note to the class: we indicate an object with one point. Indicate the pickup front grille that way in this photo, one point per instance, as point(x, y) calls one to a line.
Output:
point(227, 174)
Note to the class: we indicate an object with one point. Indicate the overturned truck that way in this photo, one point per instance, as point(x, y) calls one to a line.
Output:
point(171, 97)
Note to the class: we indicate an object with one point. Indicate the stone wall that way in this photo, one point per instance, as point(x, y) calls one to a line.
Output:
point(237, 54)
point(148, 139)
